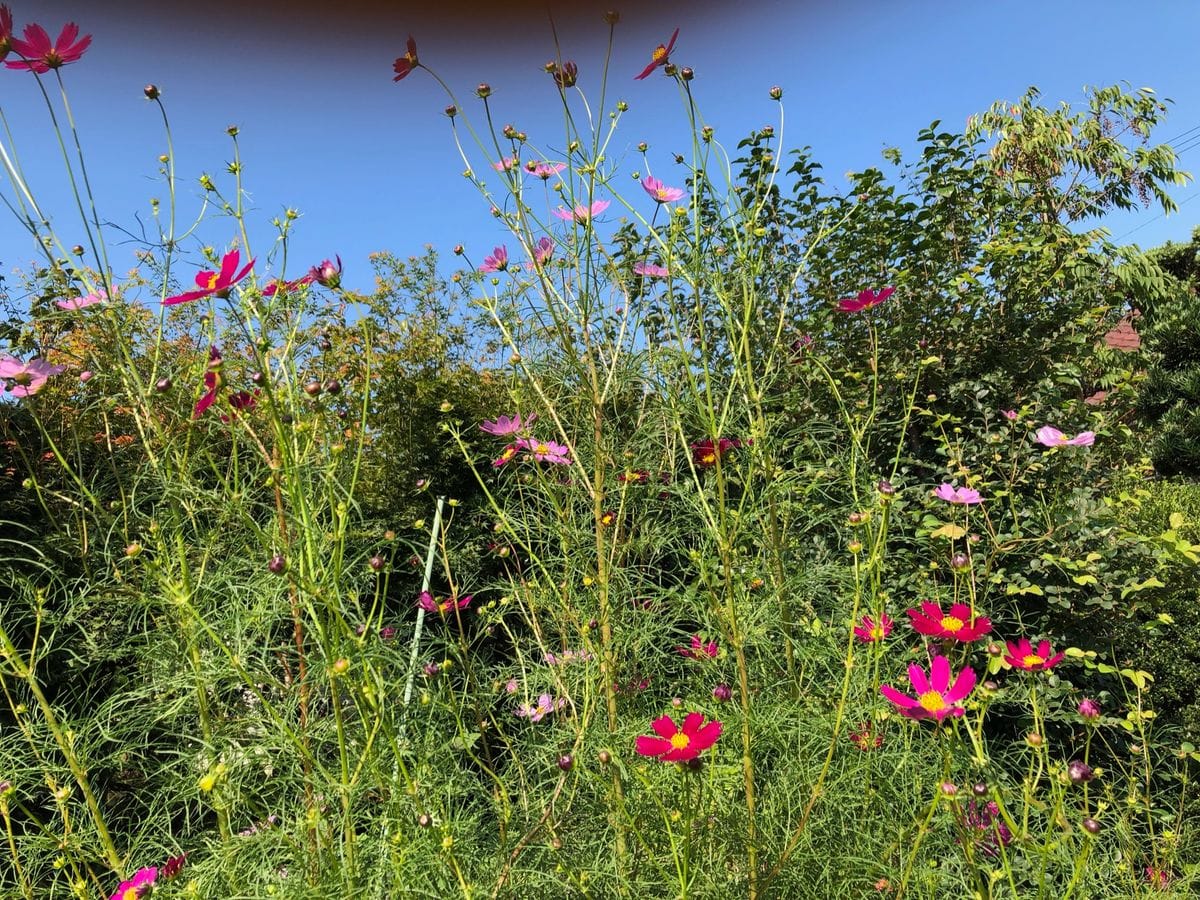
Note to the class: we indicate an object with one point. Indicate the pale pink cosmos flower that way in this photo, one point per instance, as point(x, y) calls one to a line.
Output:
point(497, 262)
point(26, 378)
point(581, 213)
point(650, 270)
point(659, 191)
point(1048, 436)
point(544, 170)
point(77, 303)
point(506, 163)
point(962, 496)
point(545, 705)
point(1010, 414)
point(506, 425)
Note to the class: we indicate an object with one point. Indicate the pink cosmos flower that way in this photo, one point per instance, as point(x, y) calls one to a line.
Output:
point(962, 496)
point(40, 55)
point(650, 270)
point(581, 213)
point(936, 698)
point(1049, 436)
point(1010, 414)
point(955, 625)
point(672, 743)
point(506, 163)
point(138, 886)
point(865, 300)
point(427, 602)
point(870, 632)
point(217, 283)
point(404, 65)
point(545, 705)
point(506, 425)
point(1021, 655)
point(546, 451)
point(327, 274)
point(542, 251)
point(77, 303)
point(699, 649)
point(287, 286)
point(1089, 709)
point(544, 170)
point(659, 191)
point(660, 57)
point(6, 27)
point(26, 378)
point(497, 262)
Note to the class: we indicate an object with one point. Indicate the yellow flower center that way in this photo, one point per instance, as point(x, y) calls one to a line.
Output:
point(129, 894)
point(709, 458)
point(877, 633)
point(541, 448)
point(680, 741)
point(1033, 660)
point(932, 701)
point(213, 279)
point(952, 624)
point(661, 193)
point(660, 53)
point(445, 605)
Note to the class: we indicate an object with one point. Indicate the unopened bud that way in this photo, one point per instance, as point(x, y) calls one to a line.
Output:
point(775, 93)
point(151, 91)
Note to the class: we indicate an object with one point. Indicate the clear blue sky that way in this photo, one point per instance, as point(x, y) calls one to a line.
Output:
point(371, 164)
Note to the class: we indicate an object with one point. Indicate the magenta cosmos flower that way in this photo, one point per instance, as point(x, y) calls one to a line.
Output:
point(936, 698)
point(285, 286)
point(212, 383)
point(581, 213)
point(506, 456)
point(427, 602)
point(872, 632)
point(506, 425)
point(404, 65)
point(542, 251)
point(1049, 436)
point(26, 378)
point(217, 283)
point(865, 300)
point(699, 649)
point(956, 625)
point(962, 496)
point(328, 273)
point(672, 743)
point(660, 57)
point(138, 886)
point(650, 270)
point(77, 303)
point(1022, 655)
point(545, 451)
point(659, 192)
point(497, 262)
point(40, 55)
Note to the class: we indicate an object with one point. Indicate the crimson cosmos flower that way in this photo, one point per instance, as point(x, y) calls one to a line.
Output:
point(40, 55)
point(955, 625)
point(706, 452)
point(660, 57)
point(404, 65)
point(672, 743)
point(217, 283)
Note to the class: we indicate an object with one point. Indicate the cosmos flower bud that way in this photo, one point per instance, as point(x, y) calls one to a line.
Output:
point(775, 93)
point(483, 90)
point(151, 91)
